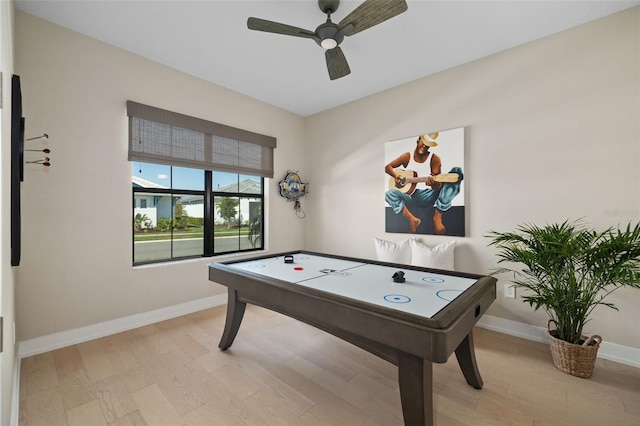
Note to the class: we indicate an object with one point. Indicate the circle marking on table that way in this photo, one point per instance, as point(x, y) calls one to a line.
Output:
point(397, 298)
point(433, 280)
point(257, 266)
point(441, 296)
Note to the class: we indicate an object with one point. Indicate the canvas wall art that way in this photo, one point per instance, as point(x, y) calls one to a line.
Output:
point(424, 184)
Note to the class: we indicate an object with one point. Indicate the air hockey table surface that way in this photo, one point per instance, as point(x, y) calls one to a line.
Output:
point(422, 293)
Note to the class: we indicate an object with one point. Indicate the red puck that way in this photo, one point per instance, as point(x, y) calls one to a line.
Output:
point(298, 268)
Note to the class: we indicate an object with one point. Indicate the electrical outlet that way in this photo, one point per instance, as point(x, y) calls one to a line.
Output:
point(510, 291)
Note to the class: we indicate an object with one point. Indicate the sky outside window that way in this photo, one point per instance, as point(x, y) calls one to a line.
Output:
point(183, 178)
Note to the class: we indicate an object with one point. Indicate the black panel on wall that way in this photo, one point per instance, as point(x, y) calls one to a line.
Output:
point(17, 167)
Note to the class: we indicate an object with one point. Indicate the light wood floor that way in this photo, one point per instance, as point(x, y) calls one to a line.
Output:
point(282, 372)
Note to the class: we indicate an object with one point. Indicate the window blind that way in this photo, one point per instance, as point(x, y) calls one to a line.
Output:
point(166, 137)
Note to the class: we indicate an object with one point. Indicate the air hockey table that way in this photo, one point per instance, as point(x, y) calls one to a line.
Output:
point(407, 315)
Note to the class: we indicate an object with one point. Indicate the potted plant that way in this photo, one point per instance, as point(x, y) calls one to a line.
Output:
point(568, 270)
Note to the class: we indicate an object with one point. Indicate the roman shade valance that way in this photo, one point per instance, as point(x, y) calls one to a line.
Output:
point(166, 137)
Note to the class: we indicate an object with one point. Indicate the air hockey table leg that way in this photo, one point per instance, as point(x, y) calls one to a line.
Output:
point(466, 355)
point(415, 377)
point(235, 312)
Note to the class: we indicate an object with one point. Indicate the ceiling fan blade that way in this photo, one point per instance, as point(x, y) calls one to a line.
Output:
point(336, 63)
point(278, 28)
point(370, 13)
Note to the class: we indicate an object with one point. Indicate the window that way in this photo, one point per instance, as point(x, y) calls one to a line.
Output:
point(170, 217)
point(198, 186)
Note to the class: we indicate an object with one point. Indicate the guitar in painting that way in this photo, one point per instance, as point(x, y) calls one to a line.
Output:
point(409, 179)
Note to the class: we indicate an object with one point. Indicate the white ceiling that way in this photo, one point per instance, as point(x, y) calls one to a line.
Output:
point(210, 40)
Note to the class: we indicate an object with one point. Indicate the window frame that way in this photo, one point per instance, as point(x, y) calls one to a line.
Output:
point(209, 196)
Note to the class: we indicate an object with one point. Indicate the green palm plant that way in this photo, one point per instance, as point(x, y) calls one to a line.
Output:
point(569, 269)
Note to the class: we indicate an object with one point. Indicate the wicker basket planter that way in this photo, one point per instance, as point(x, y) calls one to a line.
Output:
point(577, 360)
point(568, 269)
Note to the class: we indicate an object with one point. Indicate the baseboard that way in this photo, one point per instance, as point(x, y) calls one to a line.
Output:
point(15, 398)
point(63, 339)
point(611, 351)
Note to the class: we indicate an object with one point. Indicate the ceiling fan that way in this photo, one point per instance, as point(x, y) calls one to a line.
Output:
point(330, 35)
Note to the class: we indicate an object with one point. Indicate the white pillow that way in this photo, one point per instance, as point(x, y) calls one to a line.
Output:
point(439, 257)
point(388, 251)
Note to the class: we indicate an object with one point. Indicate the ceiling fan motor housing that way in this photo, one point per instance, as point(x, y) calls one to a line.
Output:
point(329, 30)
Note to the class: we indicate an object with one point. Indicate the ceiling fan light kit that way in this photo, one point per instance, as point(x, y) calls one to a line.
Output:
point(329, 35)
point(328, 43)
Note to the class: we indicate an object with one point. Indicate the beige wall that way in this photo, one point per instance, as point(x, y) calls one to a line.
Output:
point(552, 134)
point(76, 269)
point(8, 358)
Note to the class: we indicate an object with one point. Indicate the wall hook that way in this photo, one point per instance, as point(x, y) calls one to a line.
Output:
point(44, 136)
point(43, 161)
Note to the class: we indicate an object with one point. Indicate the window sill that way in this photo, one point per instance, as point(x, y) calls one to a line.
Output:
point(207, 260)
